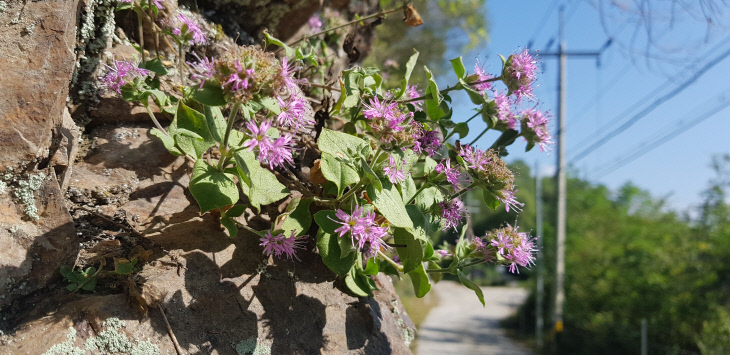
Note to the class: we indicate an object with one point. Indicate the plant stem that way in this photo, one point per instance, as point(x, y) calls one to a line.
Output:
point(231, 120)
point(140, 31)
point(352, 191)
point(467, 121)
point(157, 34)
point(248, 228)
point(379, 14)
point(479, 136)
point(328, 87)
point(182, 63)
point(462, 191)
point(444, 91)
point(423, 187)
point(436, 271)
point(397, 267)
point(154, 119)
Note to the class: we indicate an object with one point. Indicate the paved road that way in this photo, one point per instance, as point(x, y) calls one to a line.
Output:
point(459, 324)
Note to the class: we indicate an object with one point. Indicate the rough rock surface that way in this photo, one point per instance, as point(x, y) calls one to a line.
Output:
point(219, 293)
point(32, 251)
point(37, 61)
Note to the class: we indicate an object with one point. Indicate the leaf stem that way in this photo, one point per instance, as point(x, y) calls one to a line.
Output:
point(397, 267)
point(352, 191)
point(379, 14)
point(154, 119)
point(140, 30)
point(423, 187)
point(444, 91)
point(436, 271)
point(479, 136)
point(182, 63)
point(462, 191)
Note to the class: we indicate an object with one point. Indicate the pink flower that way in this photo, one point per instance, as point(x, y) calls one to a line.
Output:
point(279, 152)
point(481, 76)
point(452, 212)
point(202, 70)
point(377, 109)
point(188, 27)
point(504, 109)
point(315, 23)
point(394, 174)
point(120, 74)
point(236, 80)
point(452, 173)
point(279, 245)
point(475, 158)
point(426, 141)
point(412, 92)
point(258, 137)
point(293, 112)
point(514, 248)
point(365, 234)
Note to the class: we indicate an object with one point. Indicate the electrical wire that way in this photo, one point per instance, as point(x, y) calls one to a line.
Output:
point(657, 141)
point(681, 87)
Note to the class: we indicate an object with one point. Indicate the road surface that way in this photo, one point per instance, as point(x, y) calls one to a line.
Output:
point(459, 324)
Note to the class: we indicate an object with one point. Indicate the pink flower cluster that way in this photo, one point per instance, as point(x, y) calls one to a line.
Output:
point(239, 80)
point(475, 158)
point(452, 212)
point(517, 248)
point(386, 119)
point(363, 230)
point(185, 28)
point(394, 173)
point(279, 244)
point(428, 142)
point(121, 73)
point(275, 152)
point(535, 128)
point(452, 173)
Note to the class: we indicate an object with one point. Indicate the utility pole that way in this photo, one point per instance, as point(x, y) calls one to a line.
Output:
point(644, 337)
point(563, 55)
point(539, 322)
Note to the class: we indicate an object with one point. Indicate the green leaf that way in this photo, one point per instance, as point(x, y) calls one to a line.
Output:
point(159, 96)
point(410, 255)
point(155, 65)
point(191, 121)
point(289, 51)
point(371, 268)
point(299, 218)
point(212, 188)
point(429, 197)
point(368, 172)
point(351, 281)
point(436, 276)
point(409, 69)
point(72, 287)
point(491, 200)
point(419, 279)
point(475, 96)
point(388, 269)
point(230, 225)
point(271, 104)
point(474, 287)
point(352, 93)
point(259, 184)
point(66, 272)
point(390, 204)
point(236, 211)
point(211, 94)
point(329, 249)
point(420, 222)
point(216, 123)
point(89, 285)
point(338, 172)
point(462, 129)
point(342, 145)
point(408, 189)
point(433, 103)
point(346, 246)
point(325, 221)
point(167, 141)
point(458, 66)
point(124, 266)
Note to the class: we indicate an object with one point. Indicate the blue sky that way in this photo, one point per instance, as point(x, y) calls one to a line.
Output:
point(601, 98)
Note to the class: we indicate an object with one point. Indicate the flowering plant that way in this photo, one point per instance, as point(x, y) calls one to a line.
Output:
point(383, 173)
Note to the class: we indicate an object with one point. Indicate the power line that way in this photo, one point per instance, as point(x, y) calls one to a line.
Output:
point(649, 96)
point(652, 106)
point(658, 141)
point(542, 22)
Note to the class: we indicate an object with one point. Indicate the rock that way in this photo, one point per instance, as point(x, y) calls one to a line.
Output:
point(65, 156)
point(220, 301)
point(37, 61)
point(37, 234)
point(252, 17)
point(220, 294)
